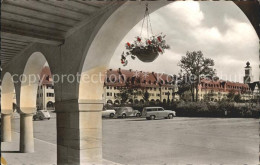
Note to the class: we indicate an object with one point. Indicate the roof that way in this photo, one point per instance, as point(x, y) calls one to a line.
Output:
point(253, 85)
point(121, 77)
point(45, 76)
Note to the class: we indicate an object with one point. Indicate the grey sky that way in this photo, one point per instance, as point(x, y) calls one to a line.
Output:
point(219, 29)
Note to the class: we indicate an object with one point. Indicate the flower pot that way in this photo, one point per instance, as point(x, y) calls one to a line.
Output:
point(145, 54)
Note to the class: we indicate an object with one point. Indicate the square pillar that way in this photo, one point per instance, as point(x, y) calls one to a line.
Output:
point(79, 132)
point(6, 128)
point(26, 135)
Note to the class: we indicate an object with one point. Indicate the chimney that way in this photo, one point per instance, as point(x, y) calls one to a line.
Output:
point(130, 70)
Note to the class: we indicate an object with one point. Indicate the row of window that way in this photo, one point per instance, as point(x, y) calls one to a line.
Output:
point(47, 86)
point(139, 93)
point(47, 94)
point(228, 86)
point(163, 88)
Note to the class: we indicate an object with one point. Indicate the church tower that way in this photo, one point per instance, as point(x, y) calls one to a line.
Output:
point(248, 78)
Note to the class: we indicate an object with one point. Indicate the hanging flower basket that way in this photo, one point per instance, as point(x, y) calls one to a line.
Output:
point(145, 49)
point(145, 54)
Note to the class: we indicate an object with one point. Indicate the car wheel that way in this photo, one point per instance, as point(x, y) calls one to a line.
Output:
point(49, 118)
point(152, 117)
point(170, 116)
point(41, 118)
point(138, 115)
point(111, 115)
point(124, 116)
point(34, 118)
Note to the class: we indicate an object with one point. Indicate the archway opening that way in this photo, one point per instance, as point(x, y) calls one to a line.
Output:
point(8, 102)
point(37, 100)
point(97, 58)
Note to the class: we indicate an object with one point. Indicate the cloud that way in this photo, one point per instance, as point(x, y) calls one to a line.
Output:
point(188, 12)
point(219, 29)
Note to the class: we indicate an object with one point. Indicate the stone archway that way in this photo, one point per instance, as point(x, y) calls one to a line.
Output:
point(29, 85)
point(50, 105)
point(7, 99)
point(96, 59)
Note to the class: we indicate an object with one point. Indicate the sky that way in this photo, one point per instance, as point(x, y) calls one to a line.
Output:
point(219, 29)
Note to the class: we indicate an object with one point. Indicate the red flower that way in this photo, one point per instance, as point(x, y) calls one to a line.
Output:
point(128, 44)
point(159, 38)
point(138, 39)
point(149, 42)
point(122, 62)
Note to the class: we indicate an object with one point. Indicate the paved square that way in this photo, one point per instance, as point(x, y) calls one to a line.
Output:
point(172, 141)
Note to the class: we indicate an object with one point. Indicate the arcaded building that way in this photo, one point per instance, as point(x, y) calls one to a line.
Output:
point(161, 87)
point(218, 90)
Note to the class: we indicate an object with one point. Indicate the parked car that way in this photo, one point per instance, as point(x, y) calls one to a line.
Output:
point(151, 113)
point(108, 113)
point(42, 114)
point(123, 112)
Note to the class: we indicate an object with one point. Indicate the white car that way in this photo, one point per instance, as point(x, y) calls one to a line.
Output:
point(108, 113)
point(151, 113)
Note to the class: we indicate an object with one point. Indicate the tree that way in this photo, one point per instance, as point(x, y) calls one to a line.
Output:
point(237, 98)
point(146, 95)
point(183, 86)
point(127, 93)
point(196, 66)
point(231, 95)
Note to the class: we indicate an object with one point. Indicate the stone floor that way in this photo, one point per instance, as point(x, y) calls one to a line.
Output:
point(45, 153)
point(180, 140)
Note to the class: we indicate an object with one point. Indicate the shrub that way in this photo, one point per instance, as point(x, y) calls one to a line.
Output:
point(213, 109)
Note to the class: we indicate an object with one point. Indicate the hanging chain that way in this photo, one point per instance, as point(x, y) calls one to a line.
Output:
point(148, 22)
point(146, 11)
point(143, 22)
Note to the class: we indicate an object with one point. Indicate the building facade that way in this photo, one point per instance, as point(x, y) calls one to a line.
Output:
point(45, 92)
point(160, 87)
point(255, 90)
point(220, 89)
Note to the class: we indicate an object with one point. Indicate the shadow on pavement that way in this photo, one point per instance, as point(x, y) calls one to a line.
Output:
point(10, 152)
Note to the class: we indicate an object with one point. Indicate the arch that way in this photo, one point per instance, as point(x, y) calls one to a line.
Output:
point(130, 101)
point(164, 101)
point(50, 105)
point(136, 101)
point(158, 101)
point(7, 94)
point(7, 98)
point(117, 102)
point(29, 82)
point(109, 102)
point(28, 95)
point(98, 53)
point(142, 101)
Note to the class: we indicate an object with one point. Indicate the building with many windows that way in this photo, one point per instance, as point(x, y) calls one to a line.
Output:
point(45, 92)
point(219, 89)
point(160, 87)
